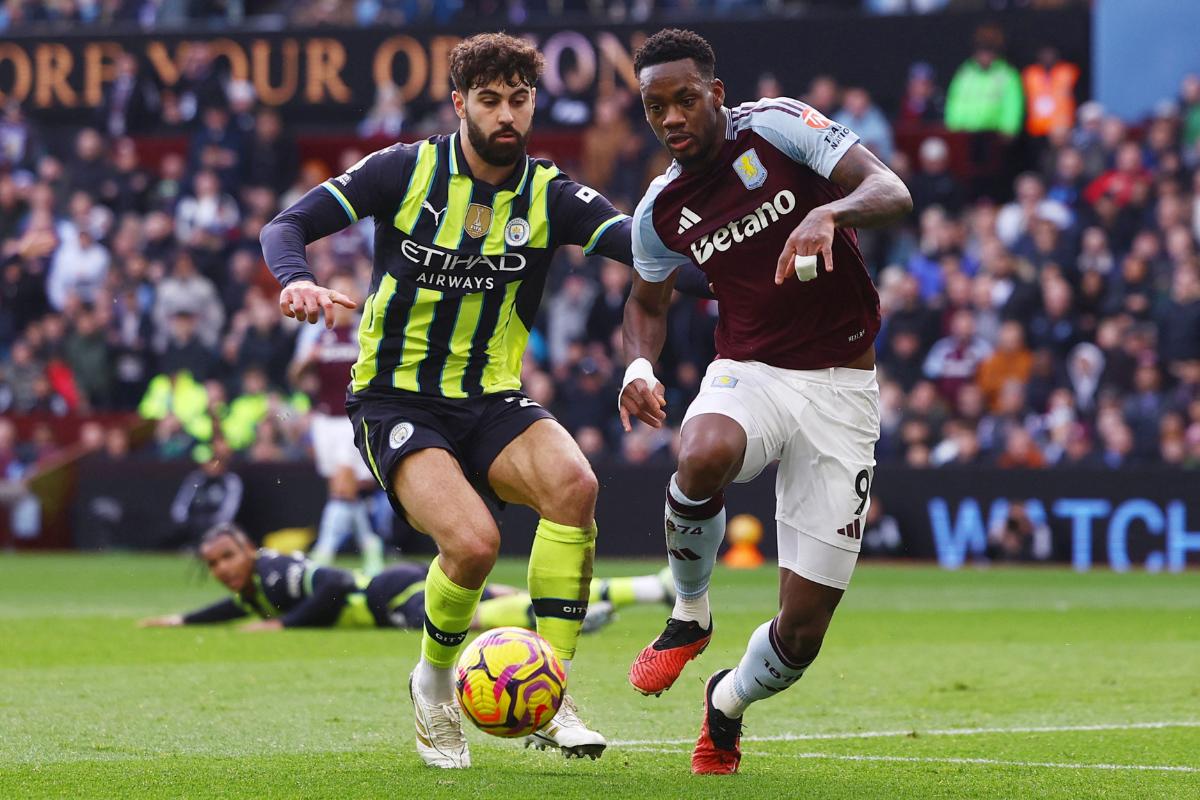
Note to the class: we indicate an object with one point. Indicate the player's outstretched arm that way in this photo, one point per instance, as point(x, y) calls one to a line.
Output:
point(220, 611)
point(262, 625)
point(876, 197)
point(314, 216)
point(643, 331)
point(364, 190)
point(330, 587)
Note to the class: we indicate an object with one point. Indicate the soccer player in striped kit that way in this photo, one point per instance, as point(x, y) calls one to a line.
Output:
point(465, 227)
point(756, 197)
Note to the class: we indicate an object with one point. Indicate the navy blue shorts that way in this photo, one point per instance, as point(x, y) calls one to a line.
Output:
point(396, 596)
point(390, 425)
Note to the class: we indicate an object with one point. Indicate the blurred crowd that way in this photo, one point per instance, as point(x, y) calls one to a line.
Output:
point(41, 15)
point(1041, 306)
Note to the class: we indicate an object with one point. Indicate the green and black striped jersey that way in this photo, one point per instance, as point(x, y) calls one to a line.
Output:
point(460, 264)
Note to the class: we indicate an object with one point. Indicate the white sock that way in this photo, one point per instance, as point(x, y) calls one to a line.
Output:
point(694, 530)
point(435, 684)
point(336, 521)
point(648, 589)
point(764, 671)
point(369, 543)
point(695, 609)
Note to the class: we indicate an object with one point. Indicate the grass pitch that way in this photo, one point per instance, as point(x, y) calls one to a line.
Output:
point(981, 683)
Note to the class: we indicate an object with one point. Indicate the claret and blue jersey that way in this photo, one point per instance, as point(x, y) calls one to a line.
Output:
point(733, 219)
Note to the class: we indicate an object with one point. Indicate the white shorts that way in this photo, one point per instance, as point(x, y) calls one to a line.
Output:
point(333, 447)
point(821, 426)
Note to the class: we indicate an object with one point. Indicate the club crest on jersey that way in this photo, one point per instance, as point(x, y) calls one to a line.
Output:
point(478, 220)
point(400, 434)
point(516, 232)
point(750, 169)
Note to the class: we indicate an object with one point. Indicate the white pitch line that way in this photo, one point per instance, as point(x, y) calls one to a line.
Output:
point(990, 762)
point(809, 737)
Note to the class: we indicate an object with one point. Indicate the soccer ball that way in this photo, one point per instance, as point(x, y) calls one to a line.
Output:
point(509, 682)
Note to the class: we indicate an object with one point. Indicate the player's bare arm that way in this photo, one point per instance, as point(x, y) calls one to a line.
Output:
point(262, 625)
point(644, 330)
point(306, 301)
point(876, 197)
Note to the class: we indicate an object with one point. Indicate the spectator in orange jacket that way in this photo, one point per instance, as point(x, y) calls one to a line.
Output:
point(1049, 93)
point(1011, 361)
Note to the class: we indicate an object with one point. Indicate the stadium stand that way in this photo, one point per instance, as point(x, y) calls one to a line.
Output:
point(1041, 307)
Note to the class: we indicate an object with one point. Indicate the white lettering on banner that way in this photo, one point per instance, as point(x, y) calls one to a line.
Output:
point(963, 532)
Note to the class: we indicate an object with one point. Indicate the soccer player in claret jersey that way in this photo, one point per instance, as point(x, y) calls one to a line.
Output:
point(465, 226)
point(753, 194)
point(325, 357)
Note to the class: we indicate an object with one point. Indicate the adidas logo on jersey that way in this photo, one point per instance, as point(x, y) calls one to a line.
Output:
point(758, 220)
point(687, 219)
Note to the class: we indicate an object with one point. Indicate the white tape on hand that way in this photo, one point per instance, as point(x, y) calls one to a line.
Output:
point(806, 267)
point(640, 368)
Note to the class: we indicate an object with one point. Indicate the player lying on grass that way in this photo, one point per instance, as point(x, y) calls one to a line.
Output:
point(289, 591)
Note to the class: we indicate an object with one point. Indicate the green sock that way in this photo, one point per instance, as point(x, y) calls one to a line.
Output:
point(618, 591)
point(560, 573)
point(510, 610)
point(448, 612)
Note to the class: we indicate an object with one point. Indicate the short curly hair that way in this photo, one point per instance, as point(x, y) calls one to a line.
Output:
point(676, 44)
point(489, 57)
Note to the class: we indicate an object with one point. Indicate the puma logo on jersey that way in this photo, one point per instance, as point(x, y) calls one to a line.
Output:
point(437, 215)
point(687, 219)
point(739, 230)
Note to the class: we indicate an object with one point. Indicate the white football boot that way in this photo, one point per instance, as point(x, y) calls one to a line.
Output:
point(440, 739)
point(598, 615)
point(568, 733)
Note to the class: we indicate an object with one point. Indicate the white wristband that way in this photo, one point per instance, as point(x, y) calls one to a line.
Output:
point(640, 368)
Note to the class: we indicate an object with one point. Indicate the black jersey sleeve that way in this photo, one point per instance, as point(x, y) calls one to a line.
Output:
point(314, 216)
point(372, 187)
point(375, 185)
point(221, 611)
point(581, 215)
point(326, 598)
point(691, 280)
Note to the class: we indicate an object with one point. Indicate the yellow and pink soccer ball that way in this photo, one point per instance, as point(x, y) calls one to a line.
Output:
point(509, 682)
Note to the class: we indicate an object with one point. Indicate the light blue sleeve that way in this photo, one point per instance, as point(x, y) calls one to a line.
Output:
point(799, 131)
point(652, 259)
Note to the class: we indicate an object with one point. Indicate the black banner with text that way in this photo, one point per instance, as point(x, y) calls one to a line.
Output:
point(327, 78)
point(1131, 519)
